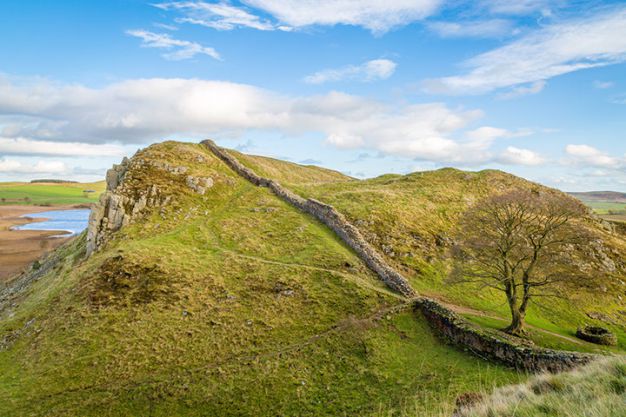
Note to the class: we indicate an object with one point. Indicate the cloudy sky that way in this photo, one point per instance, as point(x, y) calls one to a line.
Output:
point(533, 87)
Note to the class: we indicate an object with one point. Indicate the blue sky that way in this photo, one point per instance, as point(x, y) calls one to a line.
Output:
point(532, 87)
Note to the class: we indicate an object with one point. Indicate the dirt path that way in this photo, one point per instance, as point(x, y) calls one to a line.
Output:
point(352, 277)
point(18, 248)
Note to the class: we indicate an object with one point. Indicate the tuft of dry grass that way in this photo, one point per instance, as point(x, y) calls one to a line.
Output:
point(595, 390)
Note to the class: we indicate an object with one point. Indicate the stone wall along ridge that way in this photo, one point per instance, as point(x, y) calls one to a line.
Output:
point(326, 214)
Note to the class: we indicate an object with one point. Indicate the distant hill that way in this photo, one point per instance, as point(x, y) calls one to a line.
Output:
point(612, 196)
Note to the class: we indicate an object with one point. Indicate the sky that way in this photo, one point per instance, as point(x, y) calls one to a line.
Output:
point(367, 87)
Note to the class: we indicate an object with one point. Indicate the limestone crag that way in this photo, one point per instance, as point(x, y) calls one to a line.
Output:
point(118, 206)
point(199, 185)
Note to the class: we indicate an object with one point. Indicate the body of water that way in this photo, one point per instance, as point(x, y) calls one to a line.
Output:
point(72, 221)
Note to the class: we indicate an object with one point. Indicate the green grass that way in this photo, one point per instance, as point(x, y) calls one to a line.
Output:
point(596, 390)
point(603, 207)
point(542, 338)
point(49, 194)
point(231, 303)
point(412, 218)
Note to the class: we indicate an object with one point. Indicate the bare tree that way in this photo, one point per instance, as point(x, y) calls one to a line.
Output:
point(524, 243)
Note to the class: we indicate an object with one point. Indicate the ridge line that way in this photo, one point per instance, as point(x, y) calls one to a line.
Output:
point(326, 214)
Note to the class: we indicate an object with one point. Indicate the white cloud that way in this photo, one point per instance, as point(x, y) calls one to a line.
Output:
point(375, 15)
point(41, 167)
point(548, 52)
point(180, 49)
point(524, 90)
point(518, 156)
point(488, 134)
point(148, 110)
point(603, 85)
point(588, 155)
point(377, 69)
point(220, 16)
point(25, 146)
point(472, 29)
point(165, 26)
point(521, 7)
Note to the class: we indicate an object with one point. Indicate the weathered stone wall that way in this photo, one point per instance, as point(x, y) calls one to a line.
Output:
point(327, 215)
point(458, 331)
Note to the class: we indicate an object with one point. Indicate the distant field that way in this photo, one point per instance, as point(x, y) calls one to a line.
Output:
point(604, 207)
point(49, 194)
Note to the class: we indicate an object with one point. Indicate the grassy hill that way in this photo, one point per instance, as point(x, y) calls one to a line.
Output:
point(412, 220)
point(49, 193)
point(233, 302)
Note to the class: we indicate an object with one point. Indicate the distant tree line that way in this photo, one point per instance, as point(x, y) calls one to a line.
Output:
point(53, 181)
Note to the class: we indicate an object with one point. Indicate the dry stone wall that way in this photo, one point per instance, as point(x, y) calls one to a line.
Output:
point(458, 331)
point(327, 215)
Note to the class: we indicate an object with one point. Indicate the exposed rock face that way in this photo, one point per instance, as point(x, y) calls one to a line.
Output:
point(199, 185)
point(118, 205)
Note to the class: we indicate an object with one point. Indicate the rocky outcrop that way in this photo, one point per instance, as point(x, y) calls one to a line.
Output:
point(199, 185)
point(457, 331)
point(326, 214)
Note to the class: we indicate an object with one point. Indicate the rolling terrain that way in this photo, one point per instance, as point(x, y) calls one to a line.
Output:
point(50, 193)
point(204, 294)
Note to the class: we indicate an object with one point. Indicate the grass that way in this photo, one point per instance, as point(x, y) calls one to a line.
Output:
point(231, 303)
point(551, 340)
point(596, 390)
point(604, 207)
point(49, 194)
point(412, 219)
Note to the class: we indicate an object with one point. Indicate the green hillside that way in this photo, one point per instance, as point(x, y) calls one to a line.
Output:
point(233, 302)
point(226, 304)
point(49, 193)
point(412, 220)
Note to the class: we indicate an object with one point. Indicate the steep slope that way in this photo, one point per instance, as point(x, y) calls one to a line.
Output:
point(205, 295)
point(412, 219)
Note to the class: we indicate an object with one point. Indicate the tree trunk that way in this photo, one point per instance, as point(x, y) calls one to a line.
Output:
point(518, 313)
point(517, 322)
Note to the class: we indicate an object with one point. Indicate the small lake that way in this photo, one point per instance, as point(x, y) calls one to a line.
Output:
point(72, 221)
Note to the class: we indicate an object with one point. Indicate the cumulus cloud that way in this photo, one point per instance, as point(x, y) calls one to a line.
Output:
point(554, 50)
point(220, 16)
point(377, 69)
point(472, 29)
point(25, 146)
point(180, 49)
point(41, 167)
point(590, 156)
point(518, 156)
point(147, 110)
